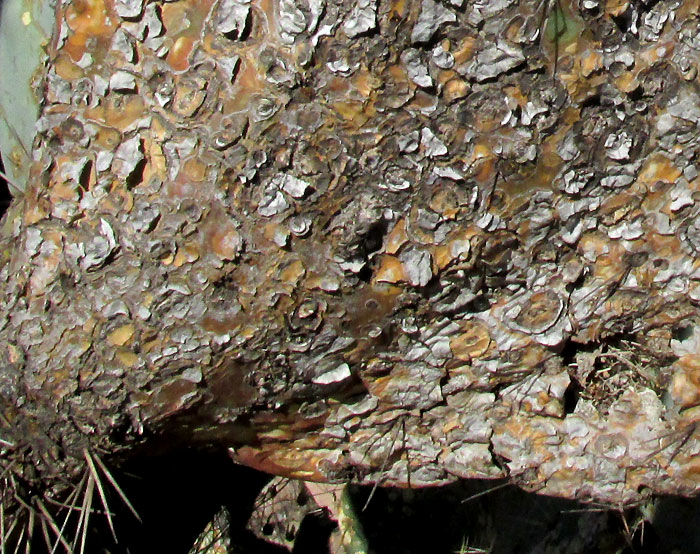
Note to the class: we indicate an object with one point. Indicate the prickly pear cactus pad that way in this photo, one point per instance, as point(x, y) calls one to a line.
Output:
point(382, 241)
point(25, 32)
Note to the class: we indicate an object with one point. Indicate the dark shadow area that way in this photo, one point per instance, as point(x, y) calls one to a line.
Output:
point(486, 516)
point(177, 495)
point(314, 535)
point(676, 522)
point(5, 196)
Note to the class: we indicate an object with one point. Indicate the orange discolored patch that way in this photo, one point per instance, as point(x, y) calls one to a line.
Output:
point(454, 89)
point(270, 459)
point(390, 270)
point(87, 19)
point(179, 54)
point(685, 386)
point(658, 168)
point(184, 21)
point(226, 242)
point(397, 237)
point(472, 342)
point(292, 272)
point(120, 113)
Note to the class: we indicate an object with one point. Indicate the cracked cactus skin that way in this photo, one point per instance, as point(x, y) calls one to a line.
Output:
point(25, 30)
point(373, 241)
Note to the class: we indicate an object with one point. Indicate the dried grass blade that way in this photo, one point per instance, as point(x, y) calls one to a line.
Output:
point(30, 531)
point(3, 538)
point(487, 491)
point(19, 540)
point(101, 492)
point(87, 493)
point(45, 532)
point(87, 509)
point(10, 181)
point(11, 530)
point(48, 520)
point(383, 467)
point(70, 507)
point(6, 470)
point(116, 486)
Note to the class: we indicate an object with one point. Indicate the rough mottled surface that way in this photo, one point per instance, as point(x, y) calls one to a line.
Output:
point(383, 241)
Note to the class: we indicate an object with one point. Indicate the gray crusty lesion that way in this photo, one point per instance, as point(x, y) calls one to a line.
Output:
point(394, 219)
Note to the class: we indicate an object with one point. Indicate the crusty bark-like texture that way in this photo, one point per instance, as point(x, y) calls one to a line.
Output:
point(402, 242)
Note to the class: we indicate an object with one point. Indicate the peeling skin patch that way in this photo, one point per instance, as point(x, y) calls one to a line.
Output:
point(432, 16)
